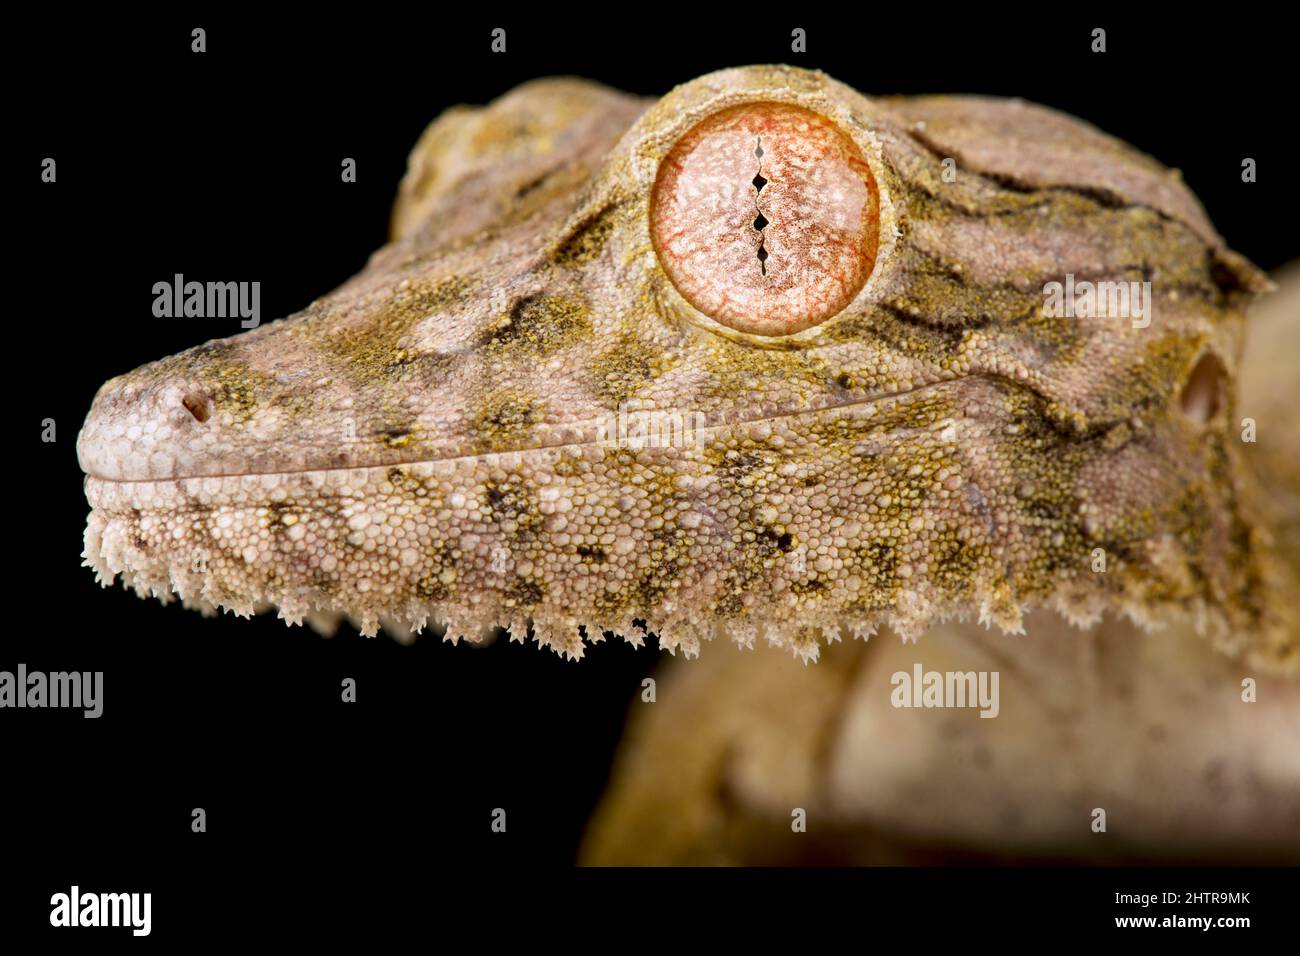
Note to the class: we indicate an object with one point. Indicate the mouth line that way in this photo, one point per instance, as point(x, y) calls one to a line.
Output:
point(591, 425)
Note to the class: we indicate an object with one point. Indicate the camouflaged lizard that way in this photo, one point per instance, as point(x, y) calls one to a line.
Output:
point(844, 296)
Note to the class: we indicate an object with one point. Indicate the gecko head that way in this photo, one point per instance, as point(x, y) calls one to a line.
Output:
point(763, 356)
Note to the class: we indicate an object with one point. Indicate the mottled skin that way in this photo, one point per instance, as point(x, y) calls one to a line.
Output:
point(1149, 726)
point(422, 444)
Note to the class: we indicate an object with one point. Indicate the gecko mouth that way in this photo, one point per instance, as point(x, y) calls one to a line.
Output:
point(108, 463)
point(558, 533)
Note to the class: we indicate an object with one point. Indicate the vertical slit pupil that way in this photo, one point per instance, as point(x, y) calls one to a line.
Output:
point(760, 223)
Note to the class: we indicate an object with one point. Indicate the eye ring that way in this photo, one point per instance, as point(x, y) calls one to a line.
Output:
point(766, 218)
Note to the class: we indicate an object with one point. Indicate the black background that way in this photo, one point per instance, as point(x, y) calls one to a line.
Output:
point(226, 165)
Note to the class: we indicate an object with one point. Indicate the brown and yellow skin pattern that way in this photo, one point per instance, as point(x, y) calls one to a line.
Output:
point(1151, 727)
point(422, 446)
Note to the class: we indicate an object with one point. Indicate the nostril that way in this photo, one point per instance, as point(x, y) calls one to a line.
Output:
point(1202, 395)
point(197, 406)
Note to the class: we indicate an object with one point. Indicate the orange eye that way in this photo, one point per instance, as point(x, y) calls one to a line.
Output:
point(766, 218)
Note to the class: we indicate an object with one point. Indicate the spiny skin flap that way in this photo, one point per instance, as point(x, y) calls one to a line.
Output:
point(564, 396)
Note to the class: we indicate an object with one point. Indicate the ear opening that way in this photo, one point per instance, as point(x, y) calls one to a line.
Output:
point(1203, 394)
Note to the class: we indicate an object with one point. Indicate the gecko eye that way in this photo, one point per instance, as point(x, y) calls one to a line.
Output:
point(766, 217)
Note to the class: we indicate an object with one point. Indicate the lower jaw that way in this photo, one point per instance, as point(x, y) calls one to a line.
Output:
point(764, 531)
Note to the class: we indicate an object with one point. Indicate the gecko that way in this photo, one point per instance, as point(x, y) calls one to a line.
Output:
point(763, 358)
